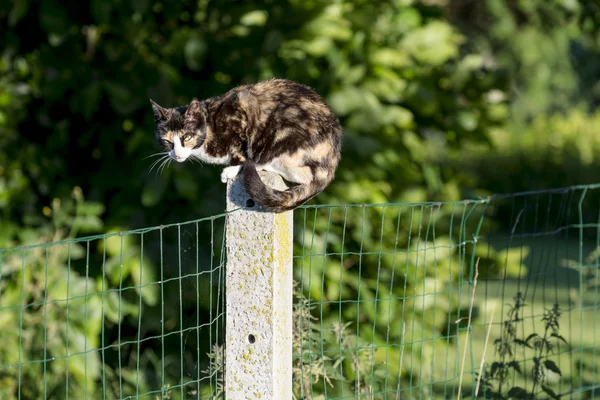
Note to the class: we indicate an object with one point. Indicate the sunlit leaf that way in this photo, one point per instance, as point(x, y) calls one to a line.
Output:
point(255, 18)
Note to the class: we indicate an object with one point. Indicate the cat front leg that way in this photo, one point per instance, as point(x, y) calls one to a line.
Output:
point(234, 168)
point(230, 172)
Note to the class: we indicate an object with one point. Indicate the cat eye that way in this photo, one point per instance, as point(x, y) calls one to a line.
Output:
point(167, 144)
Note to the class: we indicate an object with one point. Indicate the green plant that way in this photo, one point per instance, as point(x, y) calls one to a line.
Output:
point(552, 149)
point(411, 84)
point(54, 314)
point(548, 50)
point(312, 367)
point(498, 380)
point(589, 270)
point(216, 366)
point(326, 356)
point(74, 112)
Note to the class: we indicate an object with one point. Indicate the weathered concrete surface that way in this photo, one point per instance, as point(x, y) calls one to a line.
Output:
point(258, 350)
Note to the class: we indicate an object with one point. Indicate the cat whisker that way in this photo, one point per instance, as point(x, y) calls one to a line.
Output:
point(161, 162)
point(195, 159)
point(198, 159)
point(155, 154)
point(158, 159)
point(164, 165)
point(157, 162)
point(160, 167)
point(167, 166)
point(154, 164)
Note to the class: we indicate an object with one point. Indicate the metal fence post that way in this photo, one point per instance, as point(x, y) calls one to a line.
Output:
point(258, 335)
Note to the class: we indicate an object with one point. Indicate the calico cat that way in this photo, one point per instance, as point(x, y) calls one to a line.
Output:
point(275, 125)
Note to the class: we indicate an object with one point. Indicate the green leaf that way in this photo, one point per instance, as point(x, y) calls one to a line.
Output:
point(513, 260)
point(531, 337)
point(91, 208)
point(76, 251)
point(83, 364)
point(388, 57)
point(111, 307)
point(398, 116)
point(550, 392)
point(89, 223)
point(254, 18)
point(18, 11)
point(58, 290)
point(319, 46)
point(515, 365)
point(115, 243)
point(496, 366)
point(408, 19)
point(522, 343)
point(112, 270)
point(518, 393)
point(195, 52)
point(467, 120)
point(556, 335)
point(143, 277)
point(414, 143)
point(354, 74)
point(434, 43)
point(390, 89)
point(332, 27)
point(551, 365)
point(351, 98)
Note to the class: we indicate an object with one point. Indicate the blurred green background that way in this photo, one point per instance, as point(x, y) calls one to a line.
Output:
point(440, 100)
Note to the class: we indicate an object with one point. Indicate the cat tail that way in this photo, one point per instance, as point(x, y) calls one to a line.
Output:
point(277, 201)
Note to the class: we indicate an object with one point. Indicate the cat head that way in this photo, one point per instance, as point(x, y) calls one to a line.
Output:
point(181, 131)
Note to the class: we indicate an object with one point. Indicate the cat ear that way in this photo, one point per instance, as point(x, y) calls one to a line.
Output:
point(193, 108)
point(160, 113)
point(194, 112)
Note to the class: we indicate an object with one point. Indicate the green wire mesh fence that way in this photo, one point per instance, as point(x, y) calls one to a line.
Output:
point(493, 298)
point(488, 298)
point(125, 315)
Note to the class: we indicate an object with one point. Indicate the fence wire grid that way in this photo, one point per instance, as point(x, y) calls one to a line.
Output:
point(493, 298)
point(488, 298)
point(125, 315)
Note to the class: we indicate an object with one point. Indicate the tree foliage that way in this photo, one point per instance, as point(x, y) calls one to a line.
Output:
point(417, 85)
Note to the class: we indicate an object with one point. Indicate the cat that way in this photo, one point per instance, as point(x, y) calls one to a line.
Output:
point(275, 125)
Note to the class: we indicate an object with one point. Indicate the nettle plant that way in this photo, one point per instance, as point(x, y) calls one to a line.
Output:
point(498, 379)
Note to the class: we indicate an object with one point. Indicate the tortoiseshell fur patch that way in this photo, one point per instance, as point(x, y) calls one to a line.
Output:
point(276, 125)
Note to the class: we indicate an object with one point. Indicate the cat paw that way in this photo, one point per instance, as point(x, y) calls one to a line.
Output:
point(230, 173)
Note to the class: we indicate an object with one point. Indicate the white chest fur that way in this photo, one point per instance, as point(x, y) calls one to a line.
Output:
point(201, 154)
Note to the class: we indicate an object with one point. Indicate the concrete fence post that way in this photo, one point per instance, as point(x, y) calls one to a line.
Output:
point(258, 333)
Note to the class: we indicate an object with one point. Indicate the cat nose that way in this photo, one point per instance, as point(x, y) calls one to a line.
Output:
point(178, 157)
